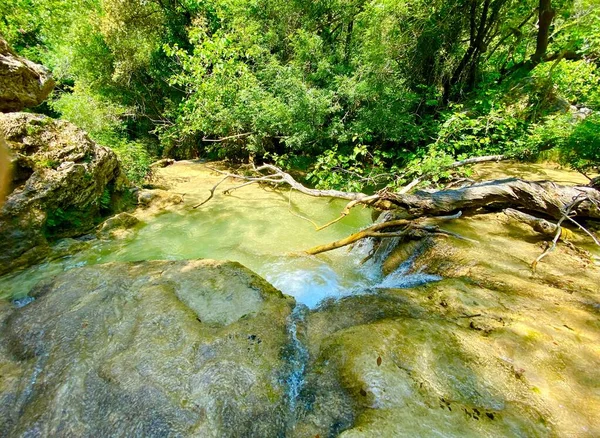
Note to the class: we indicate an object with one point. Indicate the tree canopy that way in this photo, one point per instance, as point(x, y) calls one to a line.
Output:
point(362, 93)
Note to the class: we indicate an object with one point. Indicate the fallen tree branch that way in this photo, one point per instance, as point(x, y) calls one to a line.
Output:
point(542, 226)
point(375, 231)
point(299, 215)
point(547, 198)
point(565, 215)
point(212, 193)
point(544, 197)
point(550, 199)
point(278, 176)
point(585, 230)
point(346, 211)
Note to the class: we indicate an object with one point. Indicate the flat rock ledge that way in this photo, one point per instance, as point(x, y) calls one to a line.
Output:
point(155, 348)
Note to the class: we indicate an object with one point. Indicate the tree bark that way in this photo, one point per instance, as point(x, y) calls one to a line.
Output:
point(546, 16)
point(543, 197)
point(479, 36)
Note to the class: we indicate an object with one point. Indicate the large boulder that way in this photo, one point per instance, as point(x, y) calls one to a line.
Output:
point(62, 183)
point(189, 348)
point(23, 83)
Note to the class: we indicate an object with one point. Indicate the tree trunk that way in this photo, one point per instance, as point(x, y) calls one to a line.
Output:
point(543, 197)
point(546, 16)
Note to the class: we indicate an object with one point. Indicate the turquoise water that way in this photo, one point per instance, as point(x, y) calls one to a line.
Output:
point(260, 228)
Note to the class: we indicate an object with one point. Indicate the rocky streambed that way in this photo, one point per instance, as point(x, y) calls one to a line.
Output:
point(127, 327)
point(117, 344)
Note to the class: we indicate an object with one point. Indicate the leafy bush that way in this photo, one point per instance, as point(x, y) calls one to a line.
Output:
point(580, 146)
point(103, 120)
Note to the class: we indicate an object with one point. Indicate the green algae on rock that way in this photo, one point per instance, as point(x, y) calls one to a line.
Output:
point(147, 349)
point(60, 183)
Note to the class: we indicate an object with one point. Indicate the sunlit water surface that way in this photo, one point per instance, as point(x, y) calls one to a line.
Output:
point(260, 228)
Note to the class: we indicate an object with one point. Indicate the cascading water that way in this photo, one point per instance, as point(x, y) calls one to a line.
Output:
point(310, 280)
point(380, 364)
point(297, 358)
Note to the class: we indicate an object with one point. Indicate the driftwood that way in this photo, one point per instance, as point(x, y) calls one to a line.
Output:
point(403, 228)
point(516, 197)
point(543, 197)
point(542, 226)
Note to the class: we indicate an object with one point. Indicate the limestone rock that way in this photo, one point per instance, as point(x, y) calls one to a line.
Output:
point(4, 170)
point(490, 350)
point(120, 222)
point(190, 348)
point(23, 83)
point(61, 182)
point(158, 199)
point(162, 163)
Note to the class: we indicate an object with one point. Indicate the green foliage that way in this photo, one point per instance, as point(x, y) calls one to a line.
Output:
point(367, 93)
point(134, 158)
point(103, 120)
point(47, 163)
point(576, 140)
point(354, 170)
point(99, 116)
point(60, 220)
point(577, 82)
point(582, 148)
point(104, 200)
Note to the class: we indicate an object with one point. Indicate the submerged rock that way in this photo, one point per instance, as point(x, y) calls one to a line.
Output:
point(23, 83)
point(189, 348)
point(158, 198)
point(62, 181)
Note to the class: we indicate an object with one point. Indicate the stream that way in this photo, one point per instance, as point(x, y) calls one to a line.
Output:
point(262, 229)
point(265, 231)
point(489, 350)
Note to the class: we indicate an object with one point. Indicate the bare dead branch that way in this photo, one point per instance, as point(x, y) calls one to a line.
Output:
point(346, 211)
point(299, 215)
point(231, 137)
point(585, 230)
point(565, 215)
point(212, 193)
point(375, 231)
point(542, 226)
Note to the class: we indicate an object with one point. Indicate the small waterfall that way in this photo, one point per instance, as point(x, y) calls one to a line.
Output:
point(402, 277)
point(22, 302)
point(297, 358)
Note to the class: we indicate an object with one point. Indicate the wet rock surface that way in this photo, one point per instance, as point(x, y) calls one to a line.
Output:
point(491, 350)
point(146, 349)
point(23, 83)
point(117, 225)
point(61, 182)
point(158, 199)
